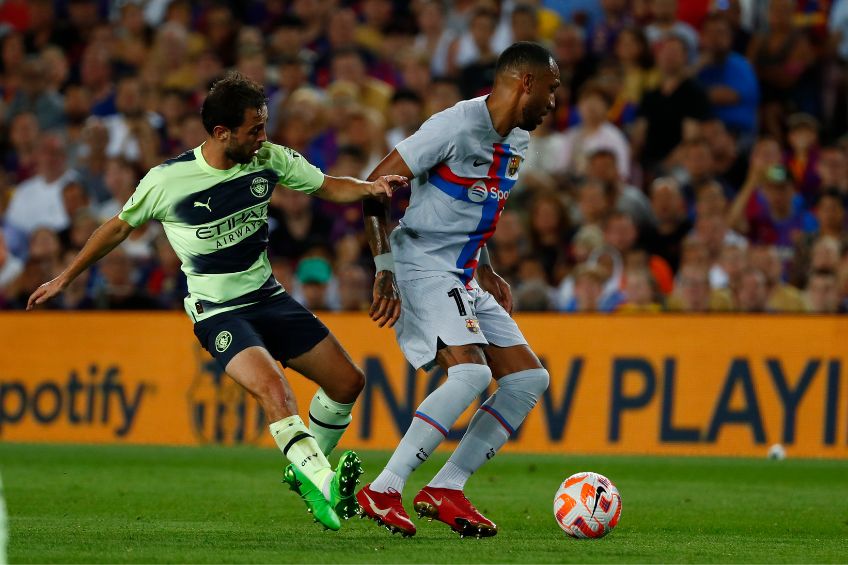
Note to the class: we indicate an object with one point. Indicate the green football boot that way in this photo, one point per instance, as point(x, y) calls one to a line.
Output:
point(316, 504)
point(343, 485)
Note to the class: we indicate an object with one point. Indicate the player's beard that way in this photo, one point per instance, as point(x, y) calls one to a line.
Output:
point(529, 118)
point(241, 154)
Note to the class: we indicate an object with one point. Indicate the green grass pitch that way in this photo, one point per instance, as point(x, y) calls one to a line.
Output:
point(120, 504)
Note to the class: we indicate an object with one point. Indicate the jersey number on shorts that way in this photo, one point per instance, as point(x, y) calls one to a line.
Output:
point(454, 293)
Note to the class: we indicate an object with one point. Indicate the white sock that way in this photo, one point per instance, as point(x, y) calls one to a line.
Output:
point(300, 448)
point(491, 426)
point(328, 420)
point(431, 423)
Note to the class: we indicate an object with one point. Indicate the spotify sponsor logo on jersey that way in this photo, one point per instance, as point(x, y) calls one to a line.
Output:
point(234, 228)
point(479, 192)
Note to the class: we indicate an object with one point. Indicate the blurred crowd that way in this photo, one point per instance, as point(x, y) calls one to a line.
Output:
point(695, 162)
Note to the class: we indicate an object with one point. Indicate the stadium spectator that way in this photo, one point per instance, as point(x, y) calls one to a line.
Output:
point(776, 215)
point(10, 266)
point(673, 111)
point(751, 295)
point(576, 64)
point(832, 169)
point(588, 287)
point(354, 289)
point(297, 227)
point(313, 275)
point(639, 292)
point(665, 24)
point(595, 201)
point(821, 294)
point(508, 245)
point(549, 230)
point(634, 54)
point(692, 293)
point(37, 202)
point(348, 66)
point(434, 38)
point(803, 155)
point(602, 165)
point(672, 222)
point(593, 133)
point(728, 79)
point(19, 162)
point(35, 96)
point(782, 297)
point(604, 34)
point(473, 55)
point(784, 60)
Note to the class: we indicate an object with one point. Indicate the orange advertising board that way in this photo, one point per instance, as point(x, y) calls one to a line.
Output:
point(718, 385)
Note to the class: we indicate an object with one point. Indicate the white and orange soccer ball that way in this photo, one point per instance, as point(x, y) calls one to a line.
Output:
point(587, 505)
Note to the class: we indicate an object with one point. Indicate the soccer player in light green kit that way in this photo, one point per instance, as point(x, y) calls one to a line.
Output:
point(213, 204)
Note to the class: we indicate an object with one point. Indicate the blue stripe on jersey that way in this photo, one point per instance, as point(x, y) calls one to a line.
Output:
point(226, 198)
point(454, 190)
point(235, 258)
point(491, 210)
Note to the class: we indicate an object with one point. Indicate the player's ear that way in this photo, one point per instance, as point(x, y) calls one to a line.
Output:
point(527, 80)
point(221, 133)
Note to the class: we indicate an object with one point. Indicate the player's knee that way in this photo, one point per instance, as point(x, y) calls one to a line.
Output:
point(348, 385)
point(270, 393)
point(475, 376)
point(530, 384)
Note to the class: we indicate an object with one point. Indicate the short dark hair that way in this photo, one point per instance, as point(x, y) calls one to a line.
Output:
point(523, 55)
point(406, 95)
point(228, 100)
point(832, 193)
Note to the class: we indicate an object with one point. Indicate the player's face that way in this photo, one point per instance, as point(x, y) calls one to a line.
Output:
point(247, 139)
point(540, 99)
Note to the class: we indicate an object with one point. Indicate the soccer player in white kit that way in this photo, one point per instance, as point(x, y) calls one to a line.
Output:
point(465, 160)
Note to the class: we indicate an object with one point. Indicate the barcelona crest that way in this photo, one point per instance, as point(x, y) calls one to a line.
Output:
point(512, 166)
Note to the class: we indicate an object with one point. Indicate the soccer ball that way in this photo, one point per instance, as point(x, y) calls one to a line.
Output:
point(587, 505)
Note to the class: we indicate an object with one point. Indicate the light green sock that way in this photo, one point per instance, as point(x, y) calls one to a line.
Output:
point(328, 420)
point(298, 445)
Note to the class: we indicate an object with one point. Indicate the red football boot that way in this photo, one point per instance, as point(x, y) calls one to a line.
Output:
point(386, 509)
point(451, 507)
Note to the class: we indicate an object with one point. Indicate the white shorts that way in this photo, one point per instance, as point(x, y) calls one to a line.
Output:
point(440, 308)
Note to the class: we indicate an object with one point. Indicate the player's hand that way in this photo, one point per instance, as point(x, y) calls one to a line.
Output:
point(385, 306)
point(45, 292)
point(384, 185)
point(492, 283)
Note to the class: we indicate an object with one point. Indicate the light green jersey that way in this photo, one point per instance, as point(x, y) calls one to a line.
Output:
point(217, 221)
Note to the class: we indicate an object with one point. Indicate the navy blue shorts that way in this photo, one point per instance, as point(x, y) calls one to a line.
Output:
point(279, 324)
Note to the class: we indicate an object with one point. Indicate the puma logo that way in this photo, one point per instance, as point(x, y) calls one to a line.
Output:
point(204, 204)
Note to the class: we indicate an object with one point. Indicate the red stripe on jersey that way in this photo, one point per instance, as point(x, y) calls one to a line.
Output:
point(444, 171)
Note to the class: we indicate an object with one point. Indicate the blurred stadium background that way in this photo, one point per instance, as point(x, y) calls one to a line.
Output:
point(676, 246)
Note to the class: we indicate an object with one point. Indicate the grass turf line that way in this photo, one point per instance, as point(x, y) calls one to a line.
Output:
point(125, 504)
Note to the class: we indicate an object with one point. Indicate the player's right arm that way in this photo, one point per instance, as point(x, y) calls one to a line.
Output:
point(385, 303)
point(432, 144)
point(102, 241)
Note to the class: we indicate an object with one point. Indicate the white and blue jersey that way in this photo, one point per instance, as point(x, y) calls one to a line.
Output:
point(464, 171)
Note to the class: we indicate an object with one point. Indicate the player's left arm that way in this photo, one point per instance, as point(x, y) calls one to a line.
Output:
point(296, 173)
point(492, 282)
point(348, 189)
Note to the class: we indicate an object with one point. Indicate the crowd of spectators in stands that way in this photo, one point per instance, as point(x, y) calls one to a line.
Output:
point(696, 160)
